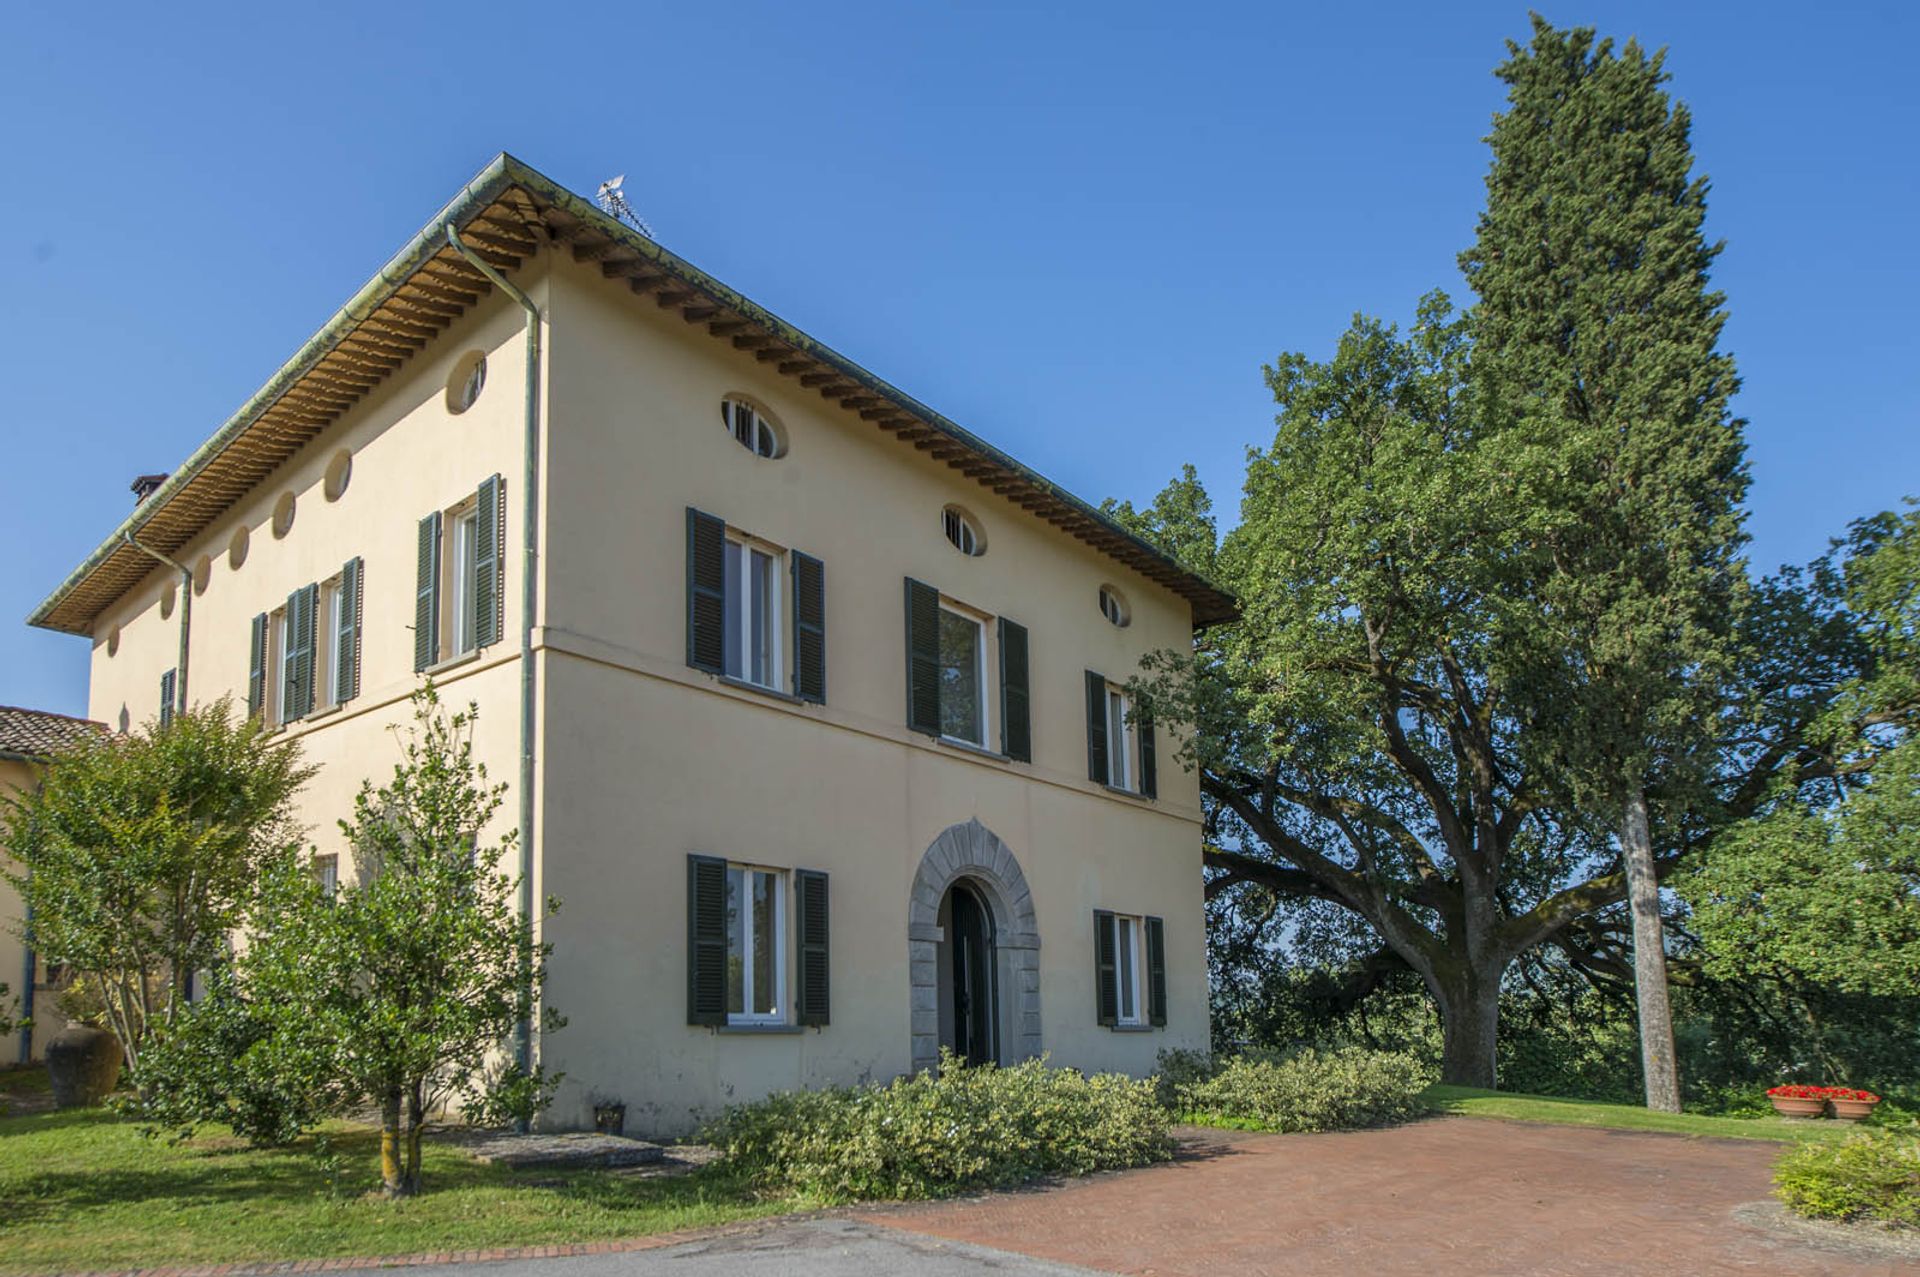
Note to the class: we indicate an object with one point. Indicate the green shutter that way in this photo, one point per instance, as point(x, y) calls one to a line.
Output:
point(1156, 972)
point(347, 637)
point(706, 940)
point(923, 657)
point(1097, 769)
point(426, 597)
point(706, 592)
point(1016, 719)
point(297, 678)
point(257, 667)
point(1149, 784)
point(488, 529)
point(166, 697)
point(809, 628)
point(1106, 968)
point(810, 891)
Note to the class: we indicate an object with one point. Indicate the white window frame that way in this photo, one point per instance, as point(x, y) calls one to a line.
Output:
point(326, 645)
point(958, 528)
point(1129, 969)
point(1123, 755)
point(980, 673)
point(279, 634)
point(781, 886)
point(739, 603)
point(326, 871)
point(741, 418)
point(462, 626)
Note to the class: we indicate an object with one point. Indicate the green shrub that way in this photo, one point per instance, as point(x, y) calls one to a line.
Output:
point(934, 1134)
point(1310, 1090)
point(1874, 1175)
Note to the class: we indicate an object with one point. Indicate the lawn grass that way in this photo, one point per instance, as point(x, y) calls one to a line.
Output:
point(85, 1190)
point(1468, 1101)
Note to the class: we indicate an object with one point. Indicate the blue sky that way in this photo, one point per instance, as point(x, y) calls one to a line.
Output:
point(1078, 230)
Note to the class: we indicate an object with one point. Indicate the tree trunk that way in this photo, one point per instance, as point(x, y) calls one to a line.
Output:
point(1649, 956)
point(1469, 1028)
point(416, 1128)
point(393, 1175)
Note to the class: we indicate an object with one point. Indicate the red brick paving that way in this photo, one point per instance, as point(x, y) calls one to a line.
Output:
point(1450, 1195)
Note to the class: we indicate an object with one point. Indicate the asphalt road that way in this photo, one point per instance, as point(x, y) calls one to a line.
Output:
point(802, 1248)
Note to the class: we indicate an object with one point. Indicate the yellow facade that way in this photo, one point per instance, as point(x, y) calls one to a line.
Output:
point(642, 760)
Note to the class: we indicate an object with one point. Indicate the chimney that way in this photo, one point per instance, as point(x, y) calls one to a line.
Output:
point(146, 485)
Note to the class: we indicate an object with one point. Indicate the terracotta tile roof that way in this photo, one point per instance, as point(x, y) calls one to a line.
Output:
point(509, 214)
point(36, 734)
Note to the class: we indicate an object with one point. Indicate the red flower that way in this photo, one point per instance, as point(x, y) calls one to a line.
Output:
point(1822, 1093)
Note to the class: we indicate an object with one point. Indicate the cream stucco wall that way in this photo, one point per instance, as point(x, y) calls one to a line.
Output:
point(647, 760)
point(642, 760)
point(16, 777)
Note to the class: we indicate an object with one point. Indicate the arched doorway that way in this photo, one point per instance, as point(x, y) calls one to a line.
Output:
point(968, 978)
point(1005, 941)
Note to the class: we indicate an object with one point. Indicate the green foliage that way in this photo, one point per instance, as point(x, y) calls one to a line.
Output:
point(1308, 1090)
point(8, 1025)
point(398, 992)
point(139, 854)
point(1875, 1175)
point(1179, 522)
point(935, 1134)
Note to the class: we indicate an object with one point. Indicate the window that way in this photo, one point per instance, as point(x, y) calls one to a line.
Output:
point(751, 573)
point(1114, 607)
point(280, 635)
point(457, 597)
point(326, 871)
point(962, 532)
point(963, 677)
point(306, 655)
point(466, 381)
point(1120, 741)
point(756, 945)
point(751, 429)
point(462, 548)
point(1130, 969)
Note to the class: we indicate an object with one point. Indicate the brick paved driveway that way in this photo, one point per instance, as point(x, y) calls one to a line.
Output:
point(1449, 1195)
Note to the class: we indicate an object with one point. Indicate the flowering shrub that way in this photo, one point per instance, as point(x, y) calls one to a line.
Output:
point(1874, 1175)
point(934, 1134)
point(1822, 1093)
point(1309, 1090)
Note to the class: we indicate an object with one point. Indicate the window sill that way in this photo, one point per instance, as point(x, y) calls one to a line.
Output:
point(761, 689)
point(1133, 1028)
point(452, 663)
point(759, 1030)
point(967, 746)
point(1134, 794)
point(325, 711)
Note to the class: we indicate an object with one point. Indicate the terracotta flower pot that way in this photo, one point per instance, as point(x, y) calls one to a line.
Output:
point(1798, 1106)
point(1852, 1110)
point(83, 1064)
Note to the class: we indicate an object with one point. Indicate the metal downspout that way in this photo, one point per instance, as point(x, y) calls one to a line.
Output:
point(186, 614)
point(529, 600)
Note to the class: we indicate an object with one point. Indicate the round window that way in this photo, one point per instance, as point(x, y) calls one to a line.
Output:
point(339, 475)
point(1113, 606)
point(113, 641)
point(202, 574)
point(283, 515)
point(468, 379)
point(752, 429)
point(237, 548)
point(169, 595)
point(962, 531)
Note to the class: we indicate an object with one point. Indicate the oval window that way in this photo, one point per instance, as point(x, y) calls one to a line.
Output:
point(1113, 606)
point(169, 594)
point(202, 574)
point(468, 379)
point(237, 547)
point(339, 475)
point(113, 641)
point(283, 515)
point(751, 428)
point(962, 532)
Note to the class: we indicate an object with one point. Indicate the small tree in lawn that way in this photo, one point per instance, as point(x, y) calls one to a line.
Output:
point(138, 855)
point(401, 990)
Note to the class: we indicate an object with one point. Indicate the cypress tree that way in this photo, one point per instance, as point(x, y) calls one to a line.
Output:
point(1598, 330)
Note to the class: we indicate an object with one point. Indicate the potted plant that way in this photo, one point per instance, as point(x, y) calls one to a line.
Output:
point(1799, 1101)
point(1850, 1105)
point(609, 1115)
